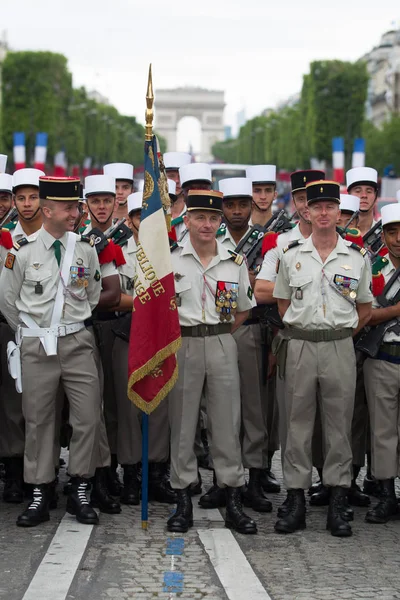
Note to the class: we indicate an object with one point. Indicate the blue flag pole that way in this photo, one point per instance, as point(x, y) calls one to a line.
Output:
point(145, 470)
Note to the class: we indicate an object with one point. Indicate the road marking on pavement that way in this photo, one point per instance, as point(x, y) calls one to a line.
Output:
point(173, 581)
point(55, 573)
point(231, 565)
point(207, 514)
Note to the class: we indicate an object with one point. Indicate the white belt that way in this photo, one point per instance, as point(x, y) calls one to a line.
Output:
point(57, 331)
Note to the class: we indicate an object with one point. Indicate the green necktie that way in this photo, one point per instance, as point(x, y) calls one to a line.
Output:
point(57, 251)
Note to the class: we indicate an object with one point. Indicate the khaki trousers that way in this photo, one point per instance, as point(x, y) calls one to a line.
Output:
point(331, 367)
point(359, 427)
point(12, 425)
point(75, 367)
point(253, 399)
point(210, 363)
point(382, 384)
point(129, 449)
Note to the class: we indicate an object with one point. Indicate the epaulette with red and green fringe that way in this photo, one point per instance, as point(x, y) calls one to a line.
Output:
point(270, 240)
point(112, 253)
point(6, 239)
point(378, 280)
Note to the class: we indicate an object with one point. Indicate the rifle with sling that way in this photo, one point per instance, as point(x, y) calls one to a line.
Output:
point(373, 239)
point(370, 342)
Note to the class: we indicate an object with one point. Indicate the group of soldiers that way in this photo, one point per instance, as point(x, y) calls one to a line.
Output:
point(272, 313)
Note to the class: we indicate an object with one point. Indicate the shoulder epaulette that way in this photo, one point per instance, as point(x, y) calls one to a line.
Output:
point(291, 245)
point(359, 249)
point(88, 239)
point(10, 226)
point(173, 246)
point(221, 230)
point(22, 242)
point(378, 264)
point(177, 220)
point(237, 258)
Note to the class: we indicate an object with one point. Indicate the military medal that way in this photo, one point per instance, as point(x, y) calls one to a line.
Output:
point(226, 299)
point(299, 294)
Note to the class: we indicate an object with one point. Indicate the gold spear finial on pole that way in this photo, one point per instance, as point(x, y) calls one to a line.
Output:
point(149, 108)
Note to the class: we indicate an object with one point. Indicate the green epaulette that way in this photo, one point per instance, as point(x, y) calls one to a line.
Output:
point(359, 249)
point(177, 220)
point(378, 264)
point(88, 239)
point(236, 257)
point(221, 231)
point(81, 229)
point(291, 245)
point(173, 246)
point(20, 243)
point(10, 226)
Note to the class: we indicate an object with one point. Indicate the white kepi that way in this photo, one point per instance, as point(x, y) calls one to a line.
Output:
point(195, 172)
point(135, 201)
point(398, 196)
point(390, 213)
point(171, 187)
point(349, 203)
point(175, 160)
point(362, 176)
point(261, 173)
point(3, 163)
point(99, 184)
point(27, 177)
point(119, 171)
point(236, 187)
point(6, 183)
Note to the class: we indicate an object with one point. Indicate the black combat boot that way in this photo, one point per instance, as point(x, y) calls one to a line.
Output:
point(355, 496)
point(130, 493)
point(253, 495)
point(77, 502)
point(100, 497)
point(53, 495)
point(320, 498)
point(268, 480)
point(387, 507)
point(284, 507)
point(295, 517)
point(14, 480)
point(337, 525)
point(316, 487)
point(235, 518)
point(371, 486)
point(159, 486)
point(113, 481)
point(38, 510)
point(195, 489)
point(182, 518)
point(215, 497)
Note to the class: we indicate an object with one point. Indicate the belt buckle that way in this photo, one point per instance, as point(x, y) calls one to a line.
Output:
point(206, 330)
point(61, 330)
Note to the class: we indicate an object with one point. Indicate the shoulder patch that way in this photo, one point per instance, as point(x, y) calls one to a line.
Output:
point(237, 258)
point(20, 243)
point(88, 239)
point(359, 249)
point(291, 245)
point(221, 231)
point(250, 293)
point(173, 246)
point(10, 226)
point(10, 259)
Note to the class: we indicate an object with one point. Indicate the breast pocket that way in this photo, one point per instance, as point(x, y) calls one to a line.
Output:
point(35, 276)
point(300, 286)
point(182, 291)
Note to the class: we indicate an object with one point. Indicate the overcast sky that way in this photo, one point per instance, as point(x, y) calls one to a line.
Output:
point(257, 51)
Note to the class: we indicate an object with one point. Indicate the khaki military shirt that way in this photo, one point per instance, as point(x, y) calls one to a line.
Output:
point(196, 286)
point(323, 295)
point(31, 281)
point(387, 271)
point(127, 271)
point(270, 261)
point(180, 228)
point(17, 234)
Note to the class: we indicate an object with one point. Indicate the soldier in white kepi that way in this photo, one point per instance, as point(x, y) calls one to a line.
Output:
point(172, 163)
point(212, 287)
point(49, 286)
point(123, 175)
point(363, 183)
point(263, 178)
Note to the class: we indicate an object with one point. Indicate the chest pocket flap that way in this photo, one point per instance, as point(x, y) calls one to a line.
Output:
point(33, 276)
point(182, 285)
point(297, 281)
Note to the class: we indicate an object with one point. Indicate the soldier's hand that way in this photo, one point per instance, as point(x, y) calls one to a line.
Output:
point(271, 365)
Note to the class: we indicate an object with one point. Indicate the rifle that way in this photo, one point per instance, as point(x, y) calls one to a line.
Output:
point(370, 342)
point(343, 230)
point(101, 237)
point(373, 239)
point(10, 216)
point(250, 246)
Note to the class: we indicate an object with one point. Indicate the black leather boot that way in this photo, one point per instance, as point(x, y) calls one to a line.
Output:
point(205, 461)
point(38, 510)
point(355, 496)
point(253, 495)
point(182, 518)
point(113, 481)
point(195, 489)
point(316, 487)
point(77, 502)
point(320, 498)
point(283, 508)
point(337, 525)
point(235, 518)
point(14, 480)
point(53, 495)
point(100, 497)
point(268, 479)
point(215, 497)
point(371, 486)
point(387, 507)
point(130, 493)
point(159, 486)
point(295, 517)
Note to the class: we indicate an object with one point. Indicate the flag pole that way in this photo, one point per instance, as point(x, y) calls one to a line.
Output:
point(145, 416)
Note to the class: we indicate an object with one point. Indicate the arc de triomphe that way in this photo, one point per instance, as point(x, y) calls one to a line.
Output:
point(206, 105)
